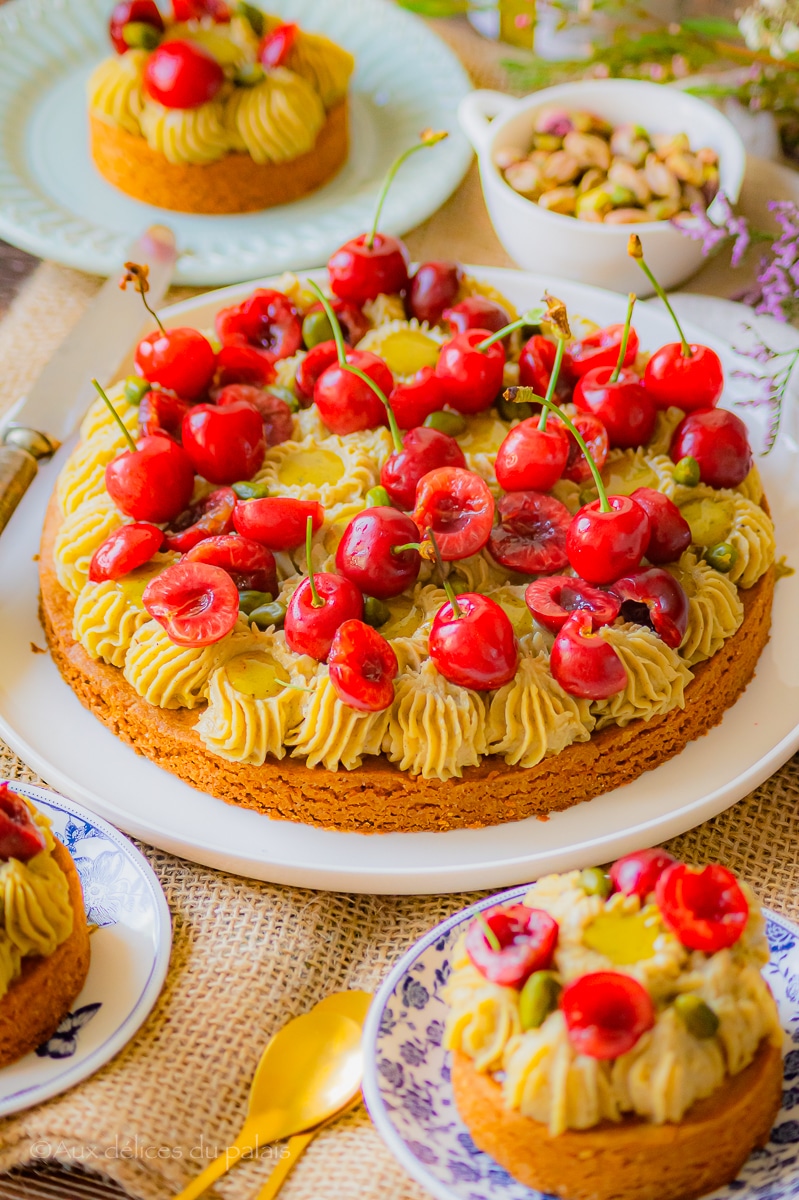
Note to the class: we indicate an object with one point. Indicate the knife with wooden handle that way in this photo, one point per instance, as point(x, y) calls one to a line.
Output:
point(54, 407)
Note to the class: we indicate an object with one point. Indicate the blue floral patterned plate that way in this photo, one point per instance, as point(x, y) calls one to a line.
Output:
point(130, 956)
point(409, 1095)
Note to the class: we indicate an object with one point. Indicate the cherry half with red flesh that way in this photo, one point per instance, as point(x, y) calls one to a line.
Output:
point(275, 413)
point(636, 874)
point(553, 599)
point(472, 377)
point(414, 400)
point(346, 403)
point(531, 534)
point(476, 312)
point(526, 937)
point(212, 516)
point(433, 288)
point(688, 382)
point(606, 1013)
point(623, 406)
point(670, 532)
point(161, 412)
point(604, 545)
point(600, 349)
point(363, 667)
point(583, 663)
point(249, 564)
point(536, 363)
point(652, 596)
point(278, 522)
point(317, 609)
point(182, 74)
point(20, 836)
point(472, 643)
point(225, 444)
point(196, 603)
point(705, 907)
point(458, 507)
point(368, 552)
point(125, 549)
point(312, 367)
point(243, 364)
point(423, 450)
point(267, 321)
point(719, 442)
point(276, 46)
point(531, 457)
point(178, 360)
point(152, 483)
point(143, 12)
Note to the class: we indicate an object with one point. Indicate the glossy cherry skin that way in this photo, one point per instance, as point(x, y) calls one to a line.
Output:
point(603, 546)
point(536, 363)
point(670, 532)
point(266, 320)
point(312, 367)
point(472, 378)
point(606, 1013)
point(552, 601)
point(423, 450)
point(196, 603)
point(624, 407)
point(595, 436)
point(181, 74)
point(688, 383)
point(719, 442)
point(366, 553)
point(180, 360)
point(363, 667)
point(476, 312)
point(243, 364)
point(478, 649)
point(311, 630)
point(249, 564)
point(583, 663)
point(433, 288)
point(358, 272)
point(224, 444)
point(459, 508)
point(531, 457)
point(275, 413)
point(154, 482)
point(346, 404)
point(161, 412)
point(209, 517)
point(704, 906)
point(531, 534)
point(652, 596)
point(600, 349)
point(144, 12)
point(20, 836)
point(636, 874)
point(278, 522)
point(416, 399)
point(350, 317)
point(125, 549)
point(195, 10)
point(277, 46)
point(527, 939)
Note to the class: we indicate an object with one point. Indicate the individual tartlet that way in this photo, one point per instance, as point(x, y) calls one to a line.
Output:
point(217, 108)
point(613, 1035)
point(44, 939)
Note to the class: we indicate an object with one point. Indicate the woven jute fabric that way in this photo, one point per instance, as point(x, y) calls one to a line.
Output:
point(249, 956)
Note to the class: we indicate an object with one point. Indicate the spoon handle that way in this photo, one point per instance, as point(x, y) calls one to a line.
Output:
point(288, 1157)
point(254, 1134)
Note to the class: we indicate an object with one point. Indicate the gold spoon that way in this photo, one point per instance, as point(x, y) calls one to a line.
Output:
point(310, 1070)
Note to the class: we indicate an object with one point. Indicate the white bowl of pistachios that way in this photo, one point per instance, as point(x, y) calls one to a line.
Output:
point(570, 172)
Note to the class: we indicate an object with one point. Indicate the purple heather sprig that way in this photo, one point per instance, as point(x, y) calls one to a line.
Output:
point(774, 385)
point(715, 234)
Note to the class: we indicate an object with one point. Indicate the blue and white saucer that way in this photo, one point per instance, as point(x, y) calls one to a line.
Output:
point(409, 1095)
point(130, 956)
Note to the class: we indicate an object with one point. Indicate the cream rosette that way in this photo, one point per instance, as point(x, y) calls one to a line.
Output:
point(532, 717)
point(333, 471)
point(171, 676)
point(331, 734)
point(715, 610)
point(115, 90)
point(79, 535)
point(724, 515)
point(186, 135)
point(436, 728)
point(656, 676)
point(277, 120)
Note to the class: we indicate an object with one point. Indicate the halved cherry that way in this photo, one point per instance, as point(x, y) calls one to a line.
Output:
point(703, 906)
point(423, 450)
point(472, 377)
point(670, 532)
point(531, 457)
point(652, 596)
point(552, 601)
point(161, 412)
point(606, 1013)
point(195, 10)
point(415, 400)
point(602, 545)
point(178, 360)
point(124, 550)
point(370, 553)
point(249, 564)
point(527, 938)
point(622, 404)
point(472, 643)
point(243, 364)
point(20, 836)
point(278, 522)
point(362, 667)
point(346, 404)
point(209, 517)
point(600, 349)
point(459, 508)
point(154, 482)
point(312, 367)
point(275, 413)
point(636, 874)
point(476, 312)
point(276, 46)
point(595, 436)
point(583, 663)
point(536, 363)
point(267, 321)
point(141, 12)
point(531, 534)
point(196, 603)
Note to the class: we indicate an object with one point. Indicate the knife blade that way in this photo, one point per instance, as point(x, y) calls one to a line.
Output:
point(54, 407)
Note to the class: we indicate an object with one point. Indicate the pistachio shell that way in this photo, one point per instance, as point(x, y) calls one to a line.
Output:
point(630, 142)
point(592, 178)
point(692, 195)
point(506, 156)
point(561, 167)
point(553, 119)
point(547, 141)
point(625, 174)
point(626, 216)
point(686, 167)
point(663, 210)
point(559, 199)
point(588, 149)
point(596, 201)
point(661, 180)
point(707, 156)
point(524, 177)
point(670, 143)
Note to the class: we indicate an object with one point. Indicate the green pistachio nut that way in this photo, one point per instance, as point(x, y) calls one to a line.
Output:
point(547, 141)
point(597, 201)
point(375, 612)
point(538, 998)
point(283, 393)
point(447, 422)
point(251, 14)
point(139, 35)
point(513, 412)
point(316, 328)
point(250, 489)
point(722, 557)
point(687, 472)
point(595, 882)
point(698, 1017)
point(250, 600)
point(136, 389)
point(249, 74)
point(268, 614)
point(378, 497)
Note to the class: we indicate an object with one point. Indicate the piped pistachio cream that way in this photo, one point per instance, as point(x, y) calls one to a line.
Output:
point(710, 1013)
point(256, 701)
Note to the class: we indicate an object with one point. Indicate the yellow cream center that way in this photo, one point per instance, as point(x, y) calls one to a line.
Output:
point(406, 351)
point(517, 612)
point(133, 584)
point(256, 675)
point(405, 618)
point(624, 938)
point(315, 467)
point(710, 520)
point(622, 477)
point(484, 435)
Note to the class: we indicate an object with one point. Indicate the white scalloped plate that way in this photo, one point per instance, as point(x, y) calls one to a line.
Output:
point(54, 203)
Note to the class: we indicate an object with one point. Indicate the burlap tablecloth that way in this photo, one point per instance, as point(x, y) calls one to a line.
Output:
point(249, 956)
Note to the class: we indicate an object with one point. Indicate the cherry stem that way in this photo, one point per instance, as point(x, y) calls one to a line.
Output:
point(527, 395)
point(137, 275)
point(116, 416)
point(635, 250)
point(488, 933)
point(341, 352)
point(457, 611)
point(625, 337)
point(427, 138)
point(316, 599)
point(406, 546)
point(553, 382)
point(534, 316)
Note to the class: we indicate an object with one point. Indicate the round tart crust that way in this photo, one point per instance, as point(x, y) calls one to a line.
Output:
point(37, 1001)
point(377, 797)
point(634, 1159)
point(233, 184)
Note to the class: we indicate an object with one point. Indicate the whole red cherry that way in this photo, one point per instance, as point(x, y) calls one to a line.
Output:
point(195, 10)
point(433, 287)
point(531, 457)
point(536, 363)
point(603, 546)
point(553, 599)
point(20, 836)
point(312, 367)
point(197, 604)
point(606, 1013)
point(278, 522)
point(152, 483)
point(636, 874)
point(472, 377)
point(416, 399)
point(423, 450)
point(458, 507)
point(474, 646)
point(362, 667)
point(688, 381)
point(310, 626)
point(600, 349)
point(181, 74)
point(670, 532)
point(277, 46)
point(224, 444)
point(179, 360)
point(275, 413)
point(267, 321)
point(161, 412)
point(527, 939)
point(249, 564)
point(143, 12)
point(209, 517)
point(719, 442)
point(346, 404)
point(476, 312)
point(367, 553)
point(354, 325)
point(623, 406)
point(367, 266)
point(583, 663)
point(531, 534)
point(595, 435)
point(652, 596)
point(125, 549)
point(704, 906)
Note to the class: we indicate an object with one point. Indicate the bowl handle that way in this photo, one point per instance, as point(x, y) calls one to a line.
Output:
point(476, 111)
